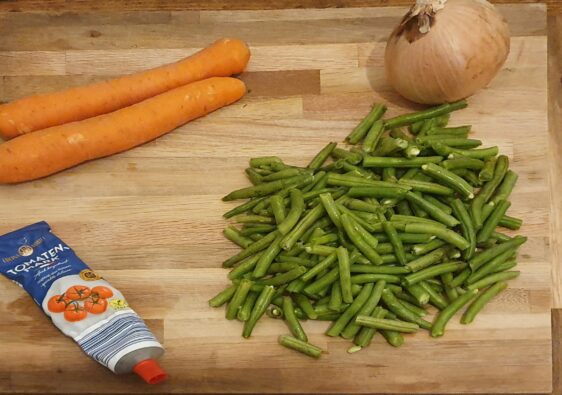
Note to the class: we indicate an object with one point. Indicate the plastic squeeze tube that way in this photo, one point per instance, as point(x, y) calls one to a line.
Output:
point(79, 302)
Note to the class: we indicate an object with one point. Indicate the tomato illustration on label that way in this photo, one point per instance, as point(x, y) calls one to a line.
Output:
point(74, 312)
point(102, 292)
point(95, 305)
point(58, 303)
point(78, 292)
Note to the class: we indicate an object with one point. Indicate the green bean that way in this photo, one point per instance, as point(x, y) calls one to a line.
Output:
point(451, 141)
point(300, 346)
point(365, 334)
point(397, 308)
point(321, 156)
point(388, 146)
point(501, 237)
point(422, 249)
point(457, 131)
point(444, 234)
point(242, 208)
point(412, 307)
point(305, 305)
point(451, 293)
point(509, 264)
point(371, 269)
point(300, 228)
point(433, 112)
point(368, 306)
point(433, 271)
point(265, 161)
point(344, 274)
point(463, 163)
point(223, 297)
point(510, 222)
point(427, 187)
point(504, 189)
point(488, 189)
point(268, 187)
point(493, 220)
point(274, 312)
point(238, 299)
point(245, 266)
point(281, 267)
point(395, 339)
point(481, 301)
point(375, 161)
point(254, 219)
point(297, 208)
point(335, 297)
point(246, 309)
point(377, 192)
point(347, 180)
point(427, 259)
point(471, 177)
point(284, 277)
point(284, 173)
point(361, 130)
point(453, 153)
point(324, 264)
point(467, 227)
point(297, 260)
point(278, 208)
point(449, 178)
point(253, 175)
point(356, 238)
point(252, 249)
point(373, 136)
point(263, 301)
point(330, 207)
point(340, 324)
point(356, 204)
point(396, 242)
point(438, 203)
point(447, 313)
point(460, 278)
point(392, 325)
point(267, 257)
point(435, 297)
point(415, 127)
point(249, 231)
point(491, 266)
point(232, 234)
point(403, 208)
point(325, 239)
point(487, 171)
point(323, 281)
point(419, 293)
point(365, 235)
point(491, 253)
point(367, 278)
point(321, 250)
point(351, 157)
point(292, 320)
point(397, 218)
point(493, 278)
point(432, 210)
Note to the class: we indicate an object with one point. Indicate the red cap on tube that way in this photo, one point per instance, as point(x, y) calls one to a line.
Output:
point(150, 371)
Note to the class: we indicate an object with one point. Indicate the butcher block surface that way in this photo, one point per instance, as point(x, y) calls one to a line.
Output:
point(150, 220)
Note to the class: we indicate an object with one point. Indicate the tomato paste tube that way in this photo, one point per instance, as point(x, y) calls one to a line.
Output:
point(79, 302)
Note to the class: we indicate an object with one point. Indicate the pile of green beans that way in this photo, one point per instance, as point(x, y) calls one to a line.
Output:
point(375, 238)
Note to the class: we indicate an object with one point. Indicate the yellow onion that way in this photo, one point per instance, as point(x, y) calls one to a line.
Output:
point(446, 50)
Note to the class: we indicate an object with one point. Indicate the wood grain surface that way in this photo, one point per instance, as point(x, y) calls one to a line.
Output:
point(150, 219)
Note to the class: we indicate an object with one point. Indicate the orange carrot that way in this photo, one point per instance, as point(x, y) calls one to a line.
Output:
point(51, 150)
point(223, 58)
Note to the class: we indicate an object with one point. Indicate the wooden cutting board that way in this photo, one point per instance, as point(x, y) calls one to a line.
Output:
point(149, 220)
